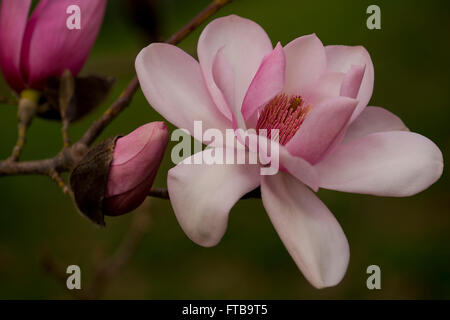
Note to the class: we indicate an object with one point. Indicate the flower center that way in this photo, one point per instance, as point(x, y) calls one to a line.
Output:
point(285, 113)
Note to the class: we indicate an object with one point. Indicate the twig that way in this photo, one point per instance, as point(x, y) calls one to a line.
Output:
point(55, 176)
point(160, 193)
point(215, 6)
point(110, 114)
point(109, 269)
point(62, 162)
point(163, 193)
point(66, 92)
point(26, 110)
point(8, 101)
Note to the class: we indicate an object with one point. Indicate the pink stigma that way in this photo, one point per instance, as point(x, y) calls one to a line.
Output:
point(285, 114)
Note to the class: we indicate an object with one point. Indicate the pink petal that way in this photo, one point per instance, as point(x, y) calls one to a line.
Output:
point(13, 20)
point(297, 167)
point(267, 83)
point(322, 128)
point(394, 163)
point(300, 169)
point(136, 155)
point(352, 82)
point(309, 231)
point(136, 161)
point(49, 46)
point(327, 86)
point(305, 63)
point(224, 79)
point(129, 200)
point(173, 84)
point(244, 45)
point(374, 119)
point(203, 195)
point(342, 58)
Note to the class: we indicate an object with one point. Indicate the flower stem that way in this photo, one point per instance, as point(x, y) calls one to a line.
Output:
point(163, 193)
point(55, 176)
point(66, 92)
point(27, 108)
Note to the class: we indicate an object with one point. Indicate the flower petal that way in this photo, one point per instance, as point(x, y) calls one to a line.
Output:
point(371, 120)
point(224, 79)
point(50, 47)
point(299, 168)
point(202, 196)
point(305, 63)
point(136, 161)
point(244, 45)
point(394, 163)
point(267, 83)
point(342, 58)
point(327, 86)
point(13, 20)
point(277, 155)
point(309, 231)
point(173, 84)
point(352, 81)
point(136, 156)
point(322, 128)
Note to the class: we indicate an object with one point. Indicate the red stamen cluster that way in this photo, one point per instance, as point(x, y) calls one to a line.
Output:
point(285, 114)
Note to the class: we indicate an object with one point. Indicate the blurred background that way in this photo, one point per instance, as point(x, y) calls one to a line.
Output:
point(409, 238)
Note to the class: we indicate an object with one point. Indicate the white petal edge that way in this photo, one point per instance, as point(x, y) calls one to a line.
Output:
point(392, 163)
point(309, 231)
point(202, 196)
point(371, 120)
point(174, 86)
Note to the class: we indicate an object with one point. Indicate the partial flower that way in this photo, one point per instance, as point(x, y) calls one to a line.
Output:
point(136, 161)
point(116, 175)
point(35, 48)
point(317, 97)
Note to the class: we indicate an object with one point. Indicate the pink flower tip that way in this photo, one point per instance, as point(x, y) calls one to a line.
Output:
point(53, 38)
point(136, 160)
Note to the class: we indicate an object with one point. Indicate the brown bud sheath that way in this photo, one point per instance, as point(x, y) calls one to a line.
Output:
point(89, 180)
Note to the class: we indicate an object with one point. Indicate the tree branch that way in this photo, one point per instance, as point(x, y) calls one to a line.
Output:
point(9, 101)
point(163, 193)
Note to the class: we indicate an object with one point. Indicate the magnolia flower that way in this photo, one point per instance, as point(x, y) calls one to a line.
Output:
point(136, 161)
point(42, 46)
point(316, 96)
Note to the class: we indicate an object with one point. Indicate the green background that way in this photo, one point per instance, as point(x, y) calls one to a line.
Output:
point(409, 238)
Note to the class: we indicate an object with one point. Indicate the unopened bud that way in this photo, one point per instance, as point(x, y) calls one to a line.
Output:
point(116, 176)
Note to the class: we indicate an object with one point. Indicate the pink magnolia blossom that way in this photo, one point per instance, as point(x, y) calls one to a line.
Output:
point(317, 96)
point(41, 46)
point(136, 161)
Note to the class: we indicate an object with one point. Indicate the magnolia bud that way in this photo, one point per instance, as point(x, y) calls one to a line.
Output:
point(136, 160)
point(116, 176)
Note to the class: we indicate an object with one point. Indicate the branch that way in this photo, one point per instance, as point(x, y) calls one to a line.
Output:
point(26, 111)
point(9, 101)
point(163, 193)
point(206, 13)
point(111, 113)
point(62, 162)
